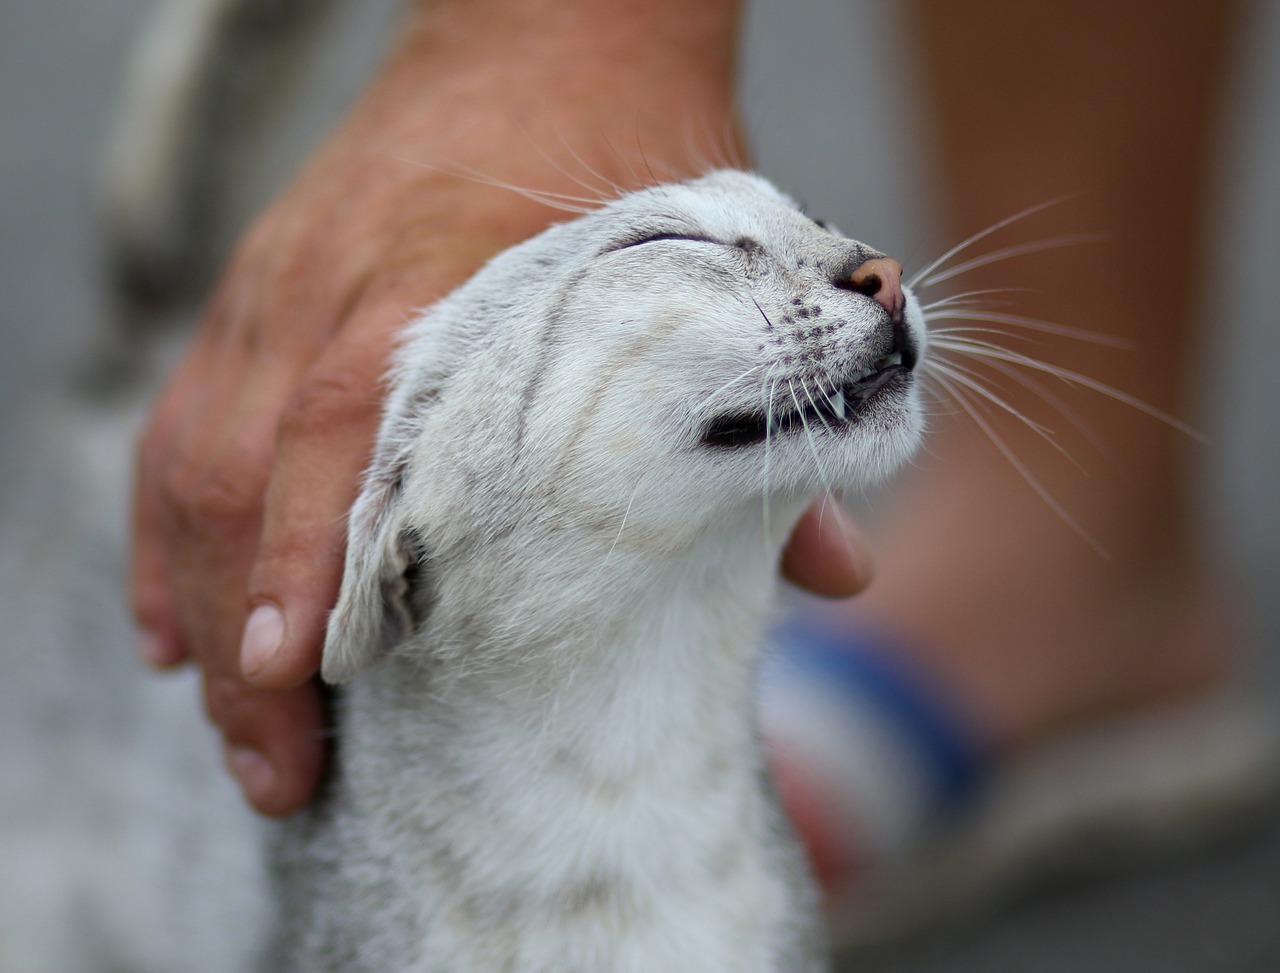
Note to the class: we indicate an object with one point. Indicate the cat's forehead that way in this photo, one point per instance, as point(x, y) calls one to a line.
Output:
point(723, 202)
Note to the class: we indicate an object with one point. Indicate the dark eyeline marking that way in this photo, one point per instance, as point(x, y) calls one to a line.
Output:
point(548, 341)
point(604, 380)
point(661, 237)
point(748, 245)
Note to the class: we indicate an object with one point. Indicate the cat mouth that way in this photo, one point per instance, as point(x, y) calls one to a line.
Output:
point(824, 407)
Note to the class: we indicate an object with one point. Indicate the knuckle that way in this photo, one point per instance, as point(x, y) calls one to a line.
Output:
point(325, 403)
point(228, 703)
point(217, 498)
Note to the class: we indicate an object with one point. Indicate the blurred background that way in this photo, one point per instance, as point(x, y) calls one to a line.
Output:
point(62, 63)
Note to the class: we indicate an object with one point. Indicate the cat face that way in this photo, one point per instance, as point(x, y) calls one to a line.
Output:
point(662, 369)
point(687, 347)
point(730, 338)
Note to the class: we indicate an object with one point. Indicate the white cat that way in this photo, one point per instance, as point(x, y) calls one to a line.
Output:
point(557, 575)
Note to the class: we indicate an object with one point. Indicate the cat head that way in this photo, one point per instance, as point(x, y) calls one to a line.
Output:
point(655, 372)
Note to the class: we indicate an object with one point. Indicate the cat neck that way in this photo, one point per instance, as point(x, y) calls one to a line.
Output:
point(610, 800)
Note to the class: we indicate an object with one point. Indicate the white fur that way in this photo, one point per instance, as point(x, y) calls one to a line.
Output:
point(547, 755)
point(576, 697)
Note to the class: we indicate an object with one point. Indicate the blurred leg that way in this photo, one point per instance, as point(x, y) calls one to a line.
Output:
point(987, 586)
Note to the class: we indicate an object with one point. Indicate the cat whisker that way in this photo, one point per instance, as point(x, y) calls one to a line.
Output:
point(705, 404)
point(808, 435)
point(654, 178)
point(600, 194)
point(813, 405)
point(964, 245)
point(714, 150)
point(603, 193)
point(974, 298)
point(623, 525)
point(823, 475)
point(984, 349)
point(1037, 388)
point(968, 378)
point(964, 377)
point(1005, 253)
point(971, 331)
point(565, 202)
point(1032, 324)
point(988, 430)
point(614, 189)
point(768, 389)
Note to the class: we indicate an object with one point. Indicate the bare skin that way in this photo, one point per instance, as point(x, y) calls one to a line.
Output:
point(252, 455)
point(989, 588)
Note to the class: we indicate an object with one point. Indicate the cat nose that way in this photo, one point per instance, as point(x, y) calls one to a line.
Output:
point(879, 278)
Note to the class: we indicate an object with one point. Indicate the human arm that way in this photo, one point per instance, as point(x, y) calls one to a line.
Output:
point(253, 453)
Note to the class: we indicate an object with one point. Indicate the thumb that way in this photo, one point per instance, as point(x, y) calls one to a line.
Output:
point(827, 553)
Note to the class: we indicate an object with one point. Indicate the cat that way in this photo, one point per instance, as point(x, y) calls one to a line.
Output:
point(558, 571)
point(557, 576)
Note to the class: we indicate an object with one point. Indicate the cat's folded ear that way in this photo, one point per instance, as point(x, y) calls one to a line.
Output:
point(385, 590)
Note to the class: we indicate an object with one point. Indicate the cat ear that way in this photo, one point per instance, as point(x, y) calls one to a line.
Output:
point(385, 590)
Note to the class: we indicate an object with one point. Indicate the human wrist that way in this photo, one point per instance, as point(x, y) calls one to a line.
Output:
point(617, 82)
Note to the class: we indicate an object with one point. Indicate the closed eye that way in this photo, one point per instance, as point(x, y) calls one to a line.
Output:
point(662, 237)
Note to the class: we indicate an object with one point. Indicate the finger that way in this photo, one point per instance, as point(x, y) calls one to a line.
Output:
point(827, 554)
point(159, 640)
point(320, 447)
point(323, 446)
point(212, 513)
point(273, 743)
point(220, 460)
point(151, 594)
point(217, 534)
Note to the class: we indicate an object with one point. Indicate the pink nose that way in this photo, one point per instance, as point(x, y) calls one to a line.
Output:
point(880, 278)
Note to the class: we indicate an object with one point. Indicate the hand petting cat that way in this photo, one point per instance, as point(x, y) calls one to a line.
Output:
point(252, 456)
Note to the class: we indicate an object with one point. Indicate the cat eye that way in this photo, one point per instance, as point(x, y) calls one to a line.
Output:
point(663, 237)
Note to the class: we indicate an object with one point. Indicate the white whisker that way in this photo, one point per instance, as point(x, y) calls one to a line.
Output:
point(615, 189)
point(962, 376)
point(975, 298)
point(1034, 324)
point(808, 394)
point(1021, 468)
point(702, 406)
point(808, 436)
point(601, 196)
point(822, 474)
point(983, 349)
point(565, 202)
point(623, 525)
point(1005, 254)
point(767, 389)
point(960, 247)
point(971, 380)
point(963, 331)
point(1037, 388)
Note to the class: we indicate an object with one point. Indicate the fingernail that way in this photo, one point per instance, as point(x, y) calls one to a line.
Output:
point(151, 648)
point(263, 637)
point(254, 771)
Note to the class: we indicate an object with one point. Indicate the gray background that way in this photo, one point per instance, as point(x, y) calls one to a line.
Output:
point(61, 61)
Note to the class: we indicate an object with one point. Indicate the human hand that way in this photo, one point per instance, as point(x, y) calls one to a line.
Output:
point(254, 451)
